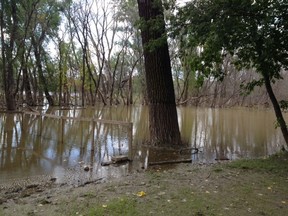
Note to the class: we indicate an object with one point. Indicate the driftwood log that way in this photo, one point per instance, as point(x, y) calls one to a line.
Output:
point(116, 160)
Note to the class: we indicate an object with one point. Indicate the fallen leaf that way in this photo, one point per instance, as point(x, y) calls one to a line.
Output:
point(141, 194)
point(283, 202)
point(269, 188)
point(104, 206)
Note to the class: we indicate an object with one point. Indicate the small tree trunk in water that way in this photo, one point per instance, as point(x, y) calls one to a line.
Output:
point(276, 106)
point(27, 87)
point(163, 121)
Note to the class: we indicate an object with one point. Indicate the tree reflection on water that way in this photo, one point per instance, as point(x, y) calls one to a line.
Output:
point(35, 145)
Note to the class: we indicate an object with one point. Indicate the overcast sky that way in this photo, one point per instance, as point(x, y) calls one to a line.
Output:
point(180, 2)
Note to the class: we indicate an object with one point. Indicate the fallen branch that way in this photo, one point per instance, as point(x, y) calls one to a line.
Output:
point(170, 162)
point(90, 182)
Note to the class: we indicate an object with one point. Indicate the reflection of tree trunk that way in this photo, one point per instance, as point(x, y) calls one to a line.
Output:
point(164, 128)
point(194, 145)
point(9, 125)
point(21, 148)
point(141, 127)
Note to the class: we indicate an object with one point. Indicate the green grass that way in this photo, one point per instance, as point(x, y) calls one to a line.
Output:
point(243, 187)
point(260, 191)
point(117, 206)
point(277, 163)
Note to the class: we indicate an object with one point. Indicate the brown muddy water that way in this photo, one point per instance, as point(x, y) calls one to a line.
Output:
point(39, 146)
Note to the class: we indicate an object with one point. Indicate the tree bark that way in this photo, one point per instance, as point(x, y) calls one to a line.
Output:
point(27, 87)
point(61, 53)
point(26, 83)
point(37, 53)
point(276, 106)
point(163, 121)
point(7, 55)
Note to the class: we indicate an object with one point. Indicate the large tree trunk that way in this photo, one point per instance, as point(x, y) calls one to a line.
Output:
point(277, 109)
point(9, 85)
point(7, 55)
point(163, 122)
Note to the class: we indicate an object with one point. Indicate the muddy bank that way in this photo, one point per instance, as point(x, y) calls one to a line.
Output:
point(246, 188)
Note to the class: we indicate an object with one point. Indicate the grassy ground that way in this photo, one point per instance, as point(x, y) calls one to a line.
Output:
point(244, 187)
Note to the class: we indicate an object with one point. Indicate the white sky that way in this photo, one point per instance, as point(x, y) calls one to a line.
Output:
point(182, 2)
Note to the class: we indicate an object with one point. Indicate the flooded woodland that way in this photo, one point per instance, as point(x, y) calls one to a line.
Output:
point(60, 143)
point(211, 78)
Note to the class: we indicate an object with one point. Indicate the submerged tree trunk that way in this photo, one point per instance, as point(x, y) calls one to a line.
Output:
point(163, 122)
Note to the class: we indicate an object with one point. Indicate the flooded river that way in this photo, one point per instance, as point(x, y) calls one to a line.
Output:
point(61, 143)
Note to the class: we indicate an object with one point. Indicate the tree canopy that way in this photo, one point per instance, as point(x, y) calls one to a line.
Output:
point(255, 33)
point(102, 62)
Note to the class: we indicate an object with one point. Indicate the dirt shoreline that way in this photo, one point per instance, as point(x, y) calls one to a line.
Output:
point(186, 189)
